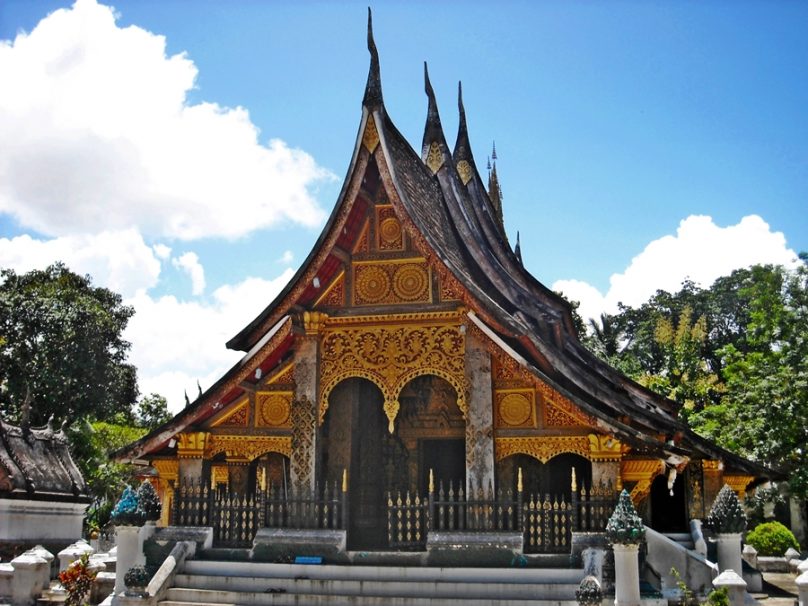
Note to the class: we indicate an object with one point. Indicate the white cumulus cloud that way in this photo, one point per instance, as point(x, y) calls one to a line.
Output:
point(700, 250)
point(175, 342)
point(118, 260)
point(98, 134)
point(189, 262)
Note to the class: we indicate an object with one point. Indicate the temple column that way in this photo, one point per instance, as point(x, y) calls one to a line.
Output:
point(167, 471)
point(713, 475)
point(605, 453)
point(304, 404)
point(479, 417)
point(191, 452)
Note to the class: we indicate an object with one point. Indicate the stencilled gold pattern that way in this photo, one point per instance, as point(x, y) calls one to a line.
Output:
point(604, 448)
point(464, 171)
point(555, 417)
point(391, 355)
point(450, 289)
point(434, 158)
point(282, 376)
point(738, 483)
point(237, 416)
point(390, 233)
point(191, 444)
point(167, 469)
point(515, 408)
point(273, 408)
point(247, 448)
point(542, 448)
point(370, 138)
point(564, 408)
point(643, 472)
point(389, 282)
point(334, 295)
point(219, 475)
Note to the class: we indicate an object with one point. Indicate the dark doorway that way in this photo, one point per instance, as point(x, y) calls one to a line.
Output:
point(353, 434)
point(668, 513)
point(553, 477)
point(447, 460)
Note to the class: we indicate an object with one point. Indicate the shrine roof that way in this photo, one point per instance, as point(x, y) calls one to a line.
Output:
point(35, 463)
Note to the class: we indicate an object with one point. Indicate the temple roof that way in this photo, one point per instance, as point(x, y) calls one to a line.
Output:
point(35, 463)
point(457, 225)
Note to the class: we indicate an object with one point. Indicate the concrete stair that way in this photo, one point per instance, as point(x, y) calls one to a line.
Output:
point(251, 583)
point(683, 538)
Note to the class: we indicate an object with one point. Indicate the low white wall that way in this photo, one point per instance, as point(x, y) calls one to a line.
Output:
point(43, 521)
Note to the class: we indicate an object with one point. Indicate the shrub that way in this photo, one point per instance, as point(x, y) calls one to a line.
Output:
point(772, 539)
point(77, 579)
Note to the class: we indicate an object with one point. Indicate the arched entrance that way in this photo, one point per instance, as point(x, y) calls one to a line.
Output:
point(431, 431)
point(354, 434)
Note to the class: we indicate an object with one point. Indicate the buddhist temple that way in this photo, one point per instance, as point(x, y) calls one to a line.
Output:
point(413, 368)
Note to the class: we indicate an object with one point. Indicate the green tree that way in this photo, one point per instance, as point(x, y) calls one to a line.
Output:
point(63, 354)
point(152, 411)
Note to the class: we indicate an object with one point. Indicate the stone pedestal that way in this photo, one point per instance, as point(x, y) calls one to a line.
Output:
point(626, 575)
point(729, 552)
point(73, 552)
point(736, 586)
point(127, 540)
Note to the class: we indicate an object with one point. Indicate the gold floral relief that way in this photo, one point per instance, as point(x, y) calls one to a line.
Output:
point(643, 472)
point(542, 448)
point(434, 157)
point(515, 408)
point(247, 448)
point(334, 295)
point(236, 416)
point(370, 138)
point(272, 408)
point(738, 483)
point(282, 376)
point(464, 171)
point(391, 355)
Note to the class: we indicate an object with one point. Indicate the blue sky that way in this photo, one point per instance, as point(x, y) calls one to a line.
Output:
point(638, 143)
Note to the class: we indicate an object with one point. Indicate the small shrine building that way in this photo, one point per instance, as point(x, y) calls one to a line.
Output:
point(413, 353)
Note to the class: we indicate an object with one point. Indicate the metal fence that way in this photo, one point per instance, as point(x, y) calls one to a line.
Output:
point(546, 522)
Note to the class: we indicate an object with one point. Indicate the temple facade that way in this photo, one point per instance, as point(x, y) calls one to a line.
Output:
point(413, 368)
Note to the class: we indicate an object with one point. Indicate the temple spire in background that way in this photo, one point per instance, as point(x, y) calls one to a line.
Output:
point(494, 190)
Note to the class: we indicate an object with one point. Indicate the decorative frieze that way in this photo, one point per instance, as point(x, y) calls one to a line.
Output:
point(643, 472)
point(237, 415)
point(738, 483)
point(604, 448)
point(542, 448)
point(248, 447)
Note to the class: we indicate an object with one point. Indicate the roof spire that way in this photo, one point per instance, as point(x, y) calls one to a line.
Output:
point(373, 89)
point(462, 157)
point(494, 190)
point(518, 250)
point(434, 142)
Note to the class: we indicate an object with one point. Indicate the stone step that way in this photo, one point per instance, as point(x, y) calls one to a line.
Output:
point(408, 588)
point(531, 576)
point(196, 597)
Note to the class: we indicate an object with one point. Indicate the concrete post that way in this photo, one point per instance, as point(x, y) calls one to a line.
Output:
point(26, 582)
point(729, 552)
point(802, 588)
point(626, 575)
point(127, 541)
point(46, 572)
point(73, 552)
point(736, 586)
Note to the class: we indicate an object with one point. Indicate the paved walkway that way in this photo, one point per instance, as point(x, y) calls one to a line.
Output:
point(781, 589)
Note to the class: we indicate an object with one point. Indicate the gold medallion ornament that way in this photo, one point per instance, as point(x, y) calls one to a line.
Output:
point(390, 231)
point(372, 283)
point(410, 282)
point(273, 408)
point(515, 409)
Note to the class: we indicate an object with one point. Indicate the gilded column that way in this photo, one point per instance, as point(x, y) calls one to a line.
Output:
point(191, 452)
point(304, 404)
point(479, 418)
